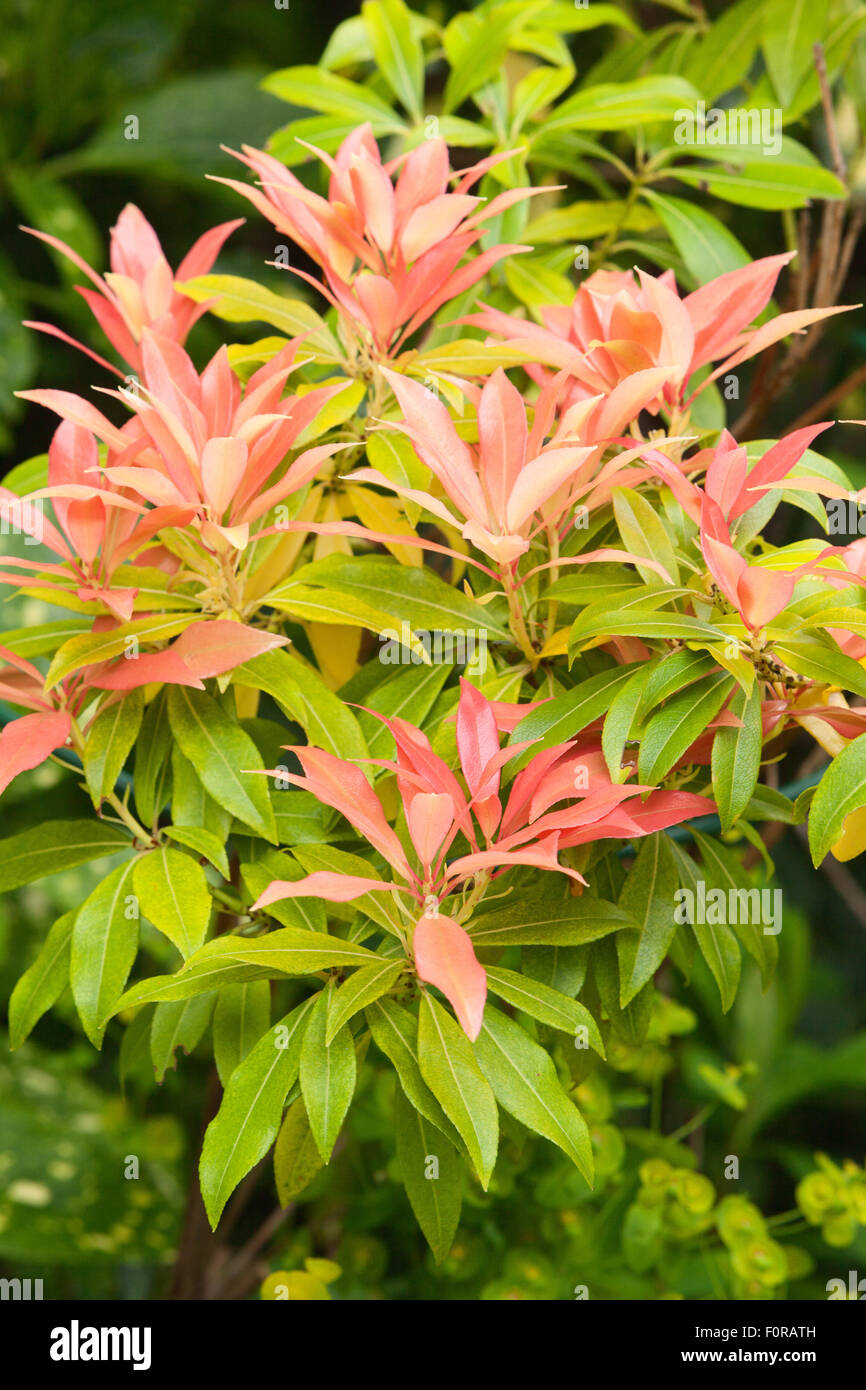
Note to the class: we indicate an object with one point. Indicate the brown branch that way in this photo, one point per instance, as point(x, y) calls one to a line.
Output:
point(825, 405)
point(844, 882)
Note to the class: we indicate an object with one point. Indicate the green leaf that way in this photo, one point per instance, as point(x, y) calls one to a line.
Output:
point(820, 661)
point(434, 1189)
point(180, 1024)
point(766, 185)
point(134, 1055)
point(395, 1032)
point(565, 715)
point(643, 533)
point(648, 897)
point(640, 623)
point(535, 283)
point(203, 842)
point(296, 1158)
point(245, 301)
point(841, 791)
point(42, 983)
point(547, 1005)
point(622, 105)
point(173, 894)
point(525, 1083)
point(584, 221)
point(789, 31)
point(362, 988)
point(548, 919)
point(190, 803)
point(562, 968)
point(313, 604)
point(249, 1117)
point(104, 945)
point(408, 595)
point(53, 846)
point(241, 1016)
point(398, 53)
point(707, 247)
point(450, 1070)
point(475, 48)
point(620, 719)
point(43, 638)
point(151, 766)
point(290, 950)
point(678, 724)
point(302, 693)
point(724, 55)
point(539, 88)
point(225, 758)
point(318, 90)
point(716, 942)
point(674, 672)
point(722, 869)
point(736, 757)
point(328, 1075)
point(632, 1023)
point(307, 913)
point(210, 973)
point(90, 647)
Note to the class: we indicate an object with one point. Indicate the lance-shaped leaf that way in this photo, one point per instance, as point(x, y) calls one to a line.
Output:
point(717, 943)
point(204, 842)
point(104, 945)
point(736, 757)
point(151, 772)
point(109, 740)
point(290, 950)
point(302, 693)
point(444, 957)
point(841, 793)
point(204, 975)
point(328, 1074)
point(723, 869)
point(27, 742)
point(549, 918)
point(450, 1070)
point(225, 758)
point(525, 1083)
point(42, 984)
point(565, 715)
point(363, 987)
point(173, 894)
point(180, 1024)
point(548, 1005)
point(296, 1158)
point(648, 897)
point(247, 1121)
point(672, 731)
point(395, 1033)
point(432, 1173)
point(53, 846)
point(241, 1016)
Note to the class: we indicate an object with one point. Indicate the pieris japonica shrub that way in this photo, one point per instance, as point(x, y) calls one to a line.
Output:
point(428, 665)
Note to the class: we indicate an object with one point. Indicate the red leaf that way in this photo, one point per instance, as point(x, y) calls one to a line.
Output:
point(445, 957)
